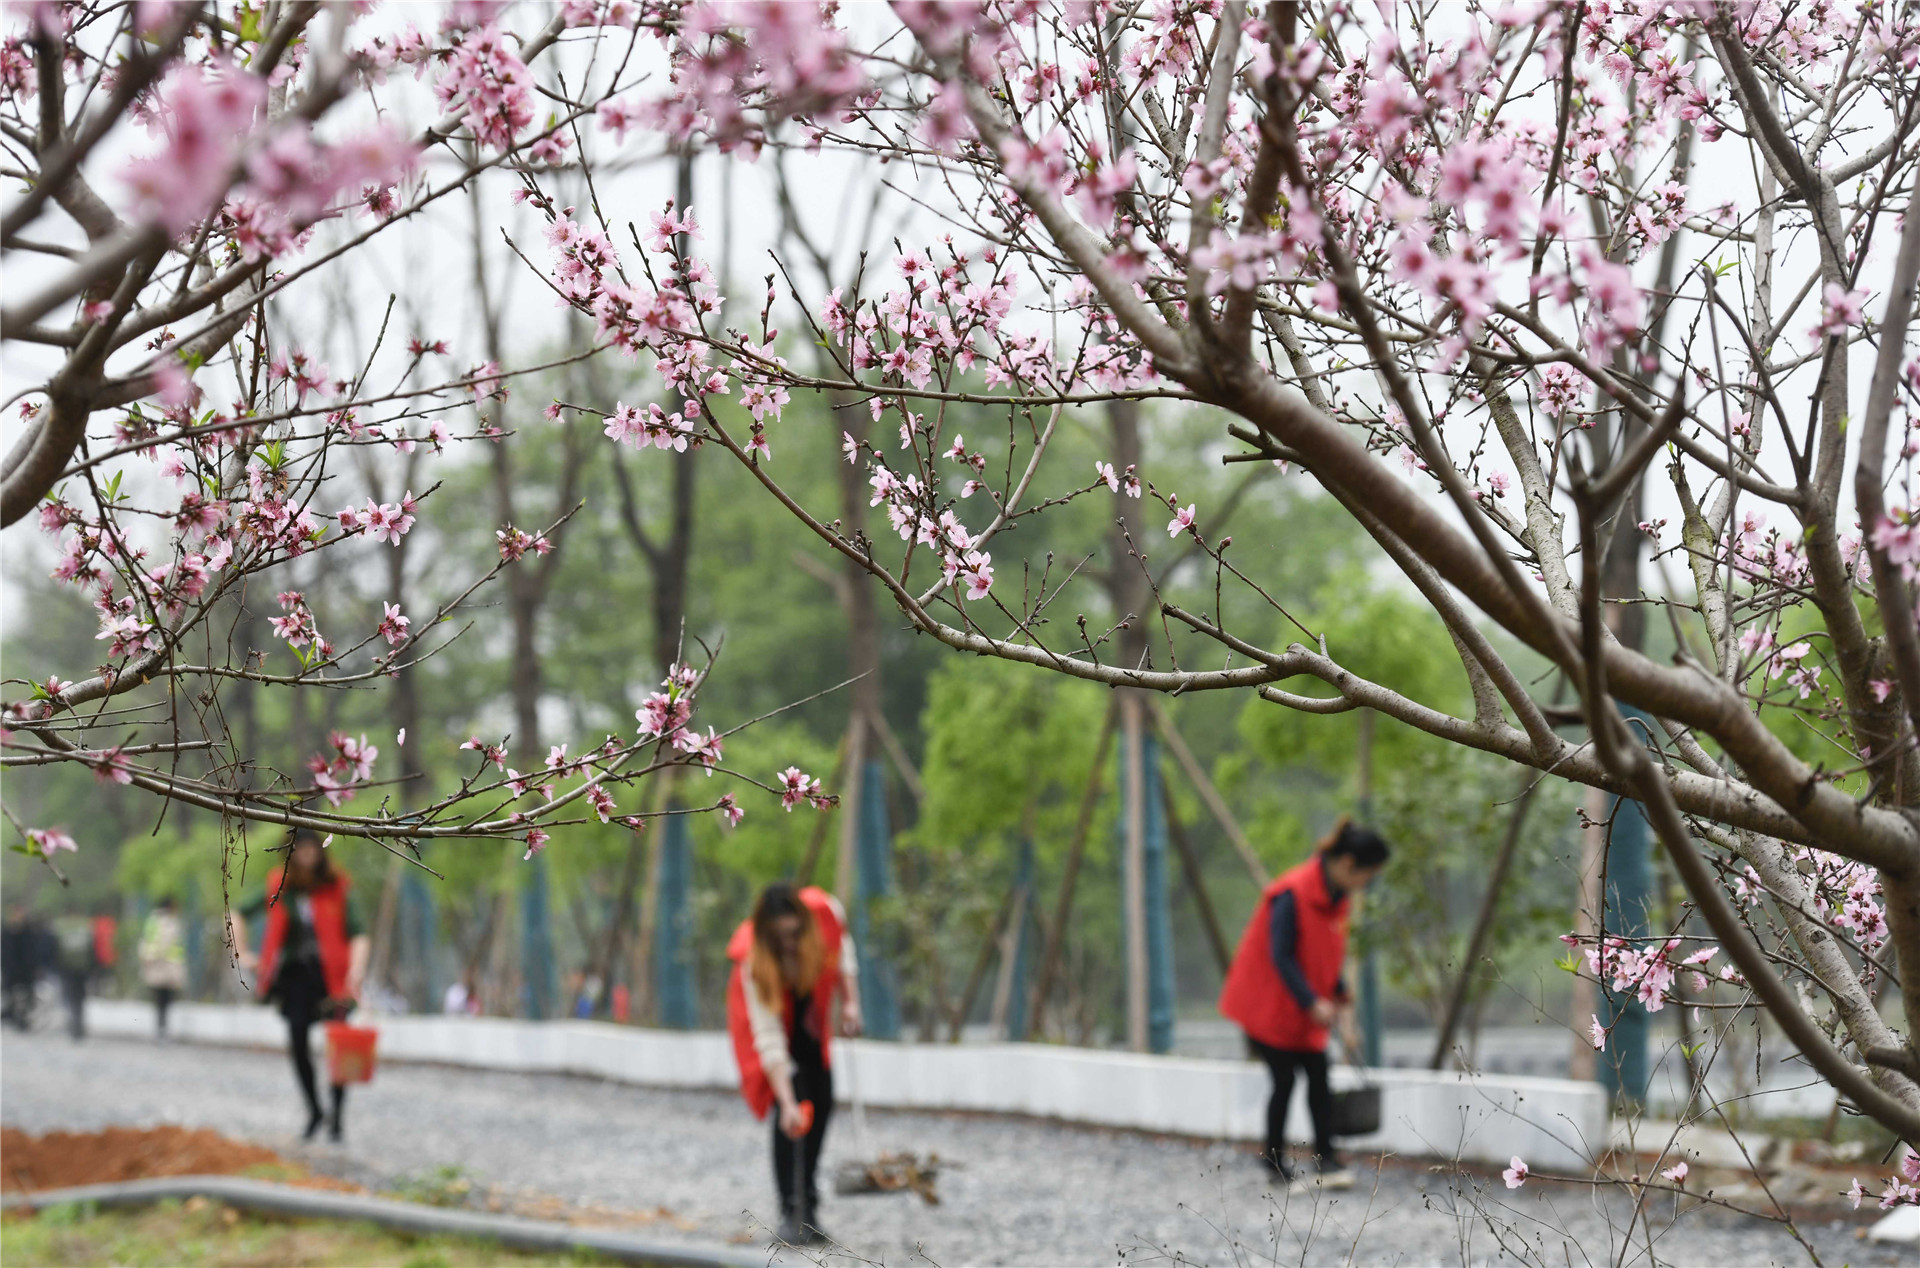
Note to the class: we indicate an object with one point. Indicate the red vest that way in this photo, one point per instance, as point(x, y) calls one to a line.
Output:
point(1255, 996)
point(754, 1085)
point(329, 930)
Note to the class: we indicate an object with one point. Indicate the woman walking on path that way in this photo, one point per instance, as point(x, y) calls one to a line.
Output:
point(312, 959)
point(790, 958)
point(163, 960)
point(1285, 989)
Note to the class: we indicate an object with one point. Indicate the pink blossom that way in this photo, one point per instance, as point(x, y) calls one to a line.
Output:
point(1899, 541)
point(495, 753)
point(1182, 520)
point(796, 786)
point(536, 842)
point(730, 811)
point(1516, 1175)
point(1855, 1192)
point(393, 626)
point(978, 574)
point(704, 749)
point(1561, 388)
point(204, 114)
point(50, 841)
point(112, 768)
point(1676, 1173)
point(1840, 310)
point(666, 228)
point(1597, 1035)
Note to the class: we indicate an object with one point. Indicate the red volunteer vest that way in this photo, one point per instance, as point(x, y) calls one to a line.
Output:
point(329, 930)
point(1254, 995)
point(754, 1085)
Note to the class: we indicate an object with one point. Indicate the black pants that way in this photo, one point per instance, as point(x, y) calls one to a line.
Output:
point(73, 990)
point(19, 1006)
point(1282, 1063)
point(796, 1163)
point(302, 995)
point(162, 1000)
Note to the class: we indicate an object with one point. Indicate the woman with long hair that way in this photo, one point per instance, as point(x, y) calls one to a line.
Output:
point(790, 959)
point(312, 958)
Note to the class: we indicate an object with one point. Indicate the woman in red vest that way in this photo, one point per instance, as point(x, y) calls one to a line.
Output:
point(312, 959)
point(789, 961)
point(1285, 989)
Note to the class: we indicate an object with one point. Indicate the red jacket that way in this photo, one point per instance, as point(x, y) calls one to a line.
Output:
point(754, 1085)
point(1255, 996)
point(105, 930)
point(329, 930)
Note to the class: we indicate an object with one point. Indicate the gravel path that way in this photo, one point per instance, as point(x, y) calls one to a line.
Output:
point(694, 1165)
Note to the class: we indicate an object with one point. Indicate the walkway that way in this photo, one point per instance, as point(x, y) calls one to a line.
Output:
point(1013, 1191)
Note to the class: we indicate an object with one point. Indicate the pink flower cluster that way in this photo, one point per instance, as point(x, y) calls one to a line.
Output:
point(1647, 972)
point(516, 542)
point(637, 430)
point(486, 83)
point(298, 626)
point(204, 114)
point(782, 59)
point(1846, 894)
point(351, 763)
point(383, 522)
point(1902, 1188)
point(796, 786)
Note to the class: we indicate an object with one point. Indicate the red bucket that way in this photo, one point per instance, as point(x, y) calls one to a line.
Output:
point(350, 1053)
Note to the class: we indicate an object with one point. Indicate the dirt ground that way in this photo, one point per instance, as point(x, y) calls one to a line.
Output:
point(60, 1160)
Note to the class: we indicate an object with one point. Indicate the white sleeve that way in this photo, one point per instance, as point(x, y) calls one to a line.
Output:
point(849, 962)
point(769, 1036)
point(849, 967)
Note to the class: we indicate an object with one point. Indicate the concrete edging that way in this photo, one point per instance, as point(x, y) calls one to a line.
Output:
point(407, 1217)
point(1554, 1124)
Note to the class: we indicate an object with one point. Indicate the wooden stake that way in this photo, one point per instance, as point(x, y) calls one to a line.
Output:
point(909, 773)
point(1134, 874)
point(853, 781)
point(623, 905)
point(1190, 863)
point(1063, 908)
point(804, 874)
point(1583, 1065)
point(977, 976)
point(1009, 940)
point(1483, 924)
point(640, 990)
point(1209, 795)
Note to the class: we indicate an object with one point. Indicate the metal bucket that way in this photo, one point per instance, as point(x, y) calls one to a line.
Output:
point(1356, 1111)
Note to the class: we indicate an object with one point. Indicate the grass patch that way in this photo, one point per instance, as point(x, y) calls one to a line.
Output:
point(207, 1233)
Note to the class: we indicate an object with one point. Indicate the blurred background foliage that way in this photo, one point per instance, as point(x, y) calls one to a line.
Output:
point(1003, 751)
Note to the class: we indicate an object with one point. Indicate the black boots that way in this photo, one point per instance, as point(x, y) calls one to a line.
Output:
point(800, 1226)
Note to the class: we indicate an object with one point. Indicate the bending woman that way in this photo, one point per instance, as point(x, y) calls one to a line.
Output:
point(790, 959)
point(312, 960)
